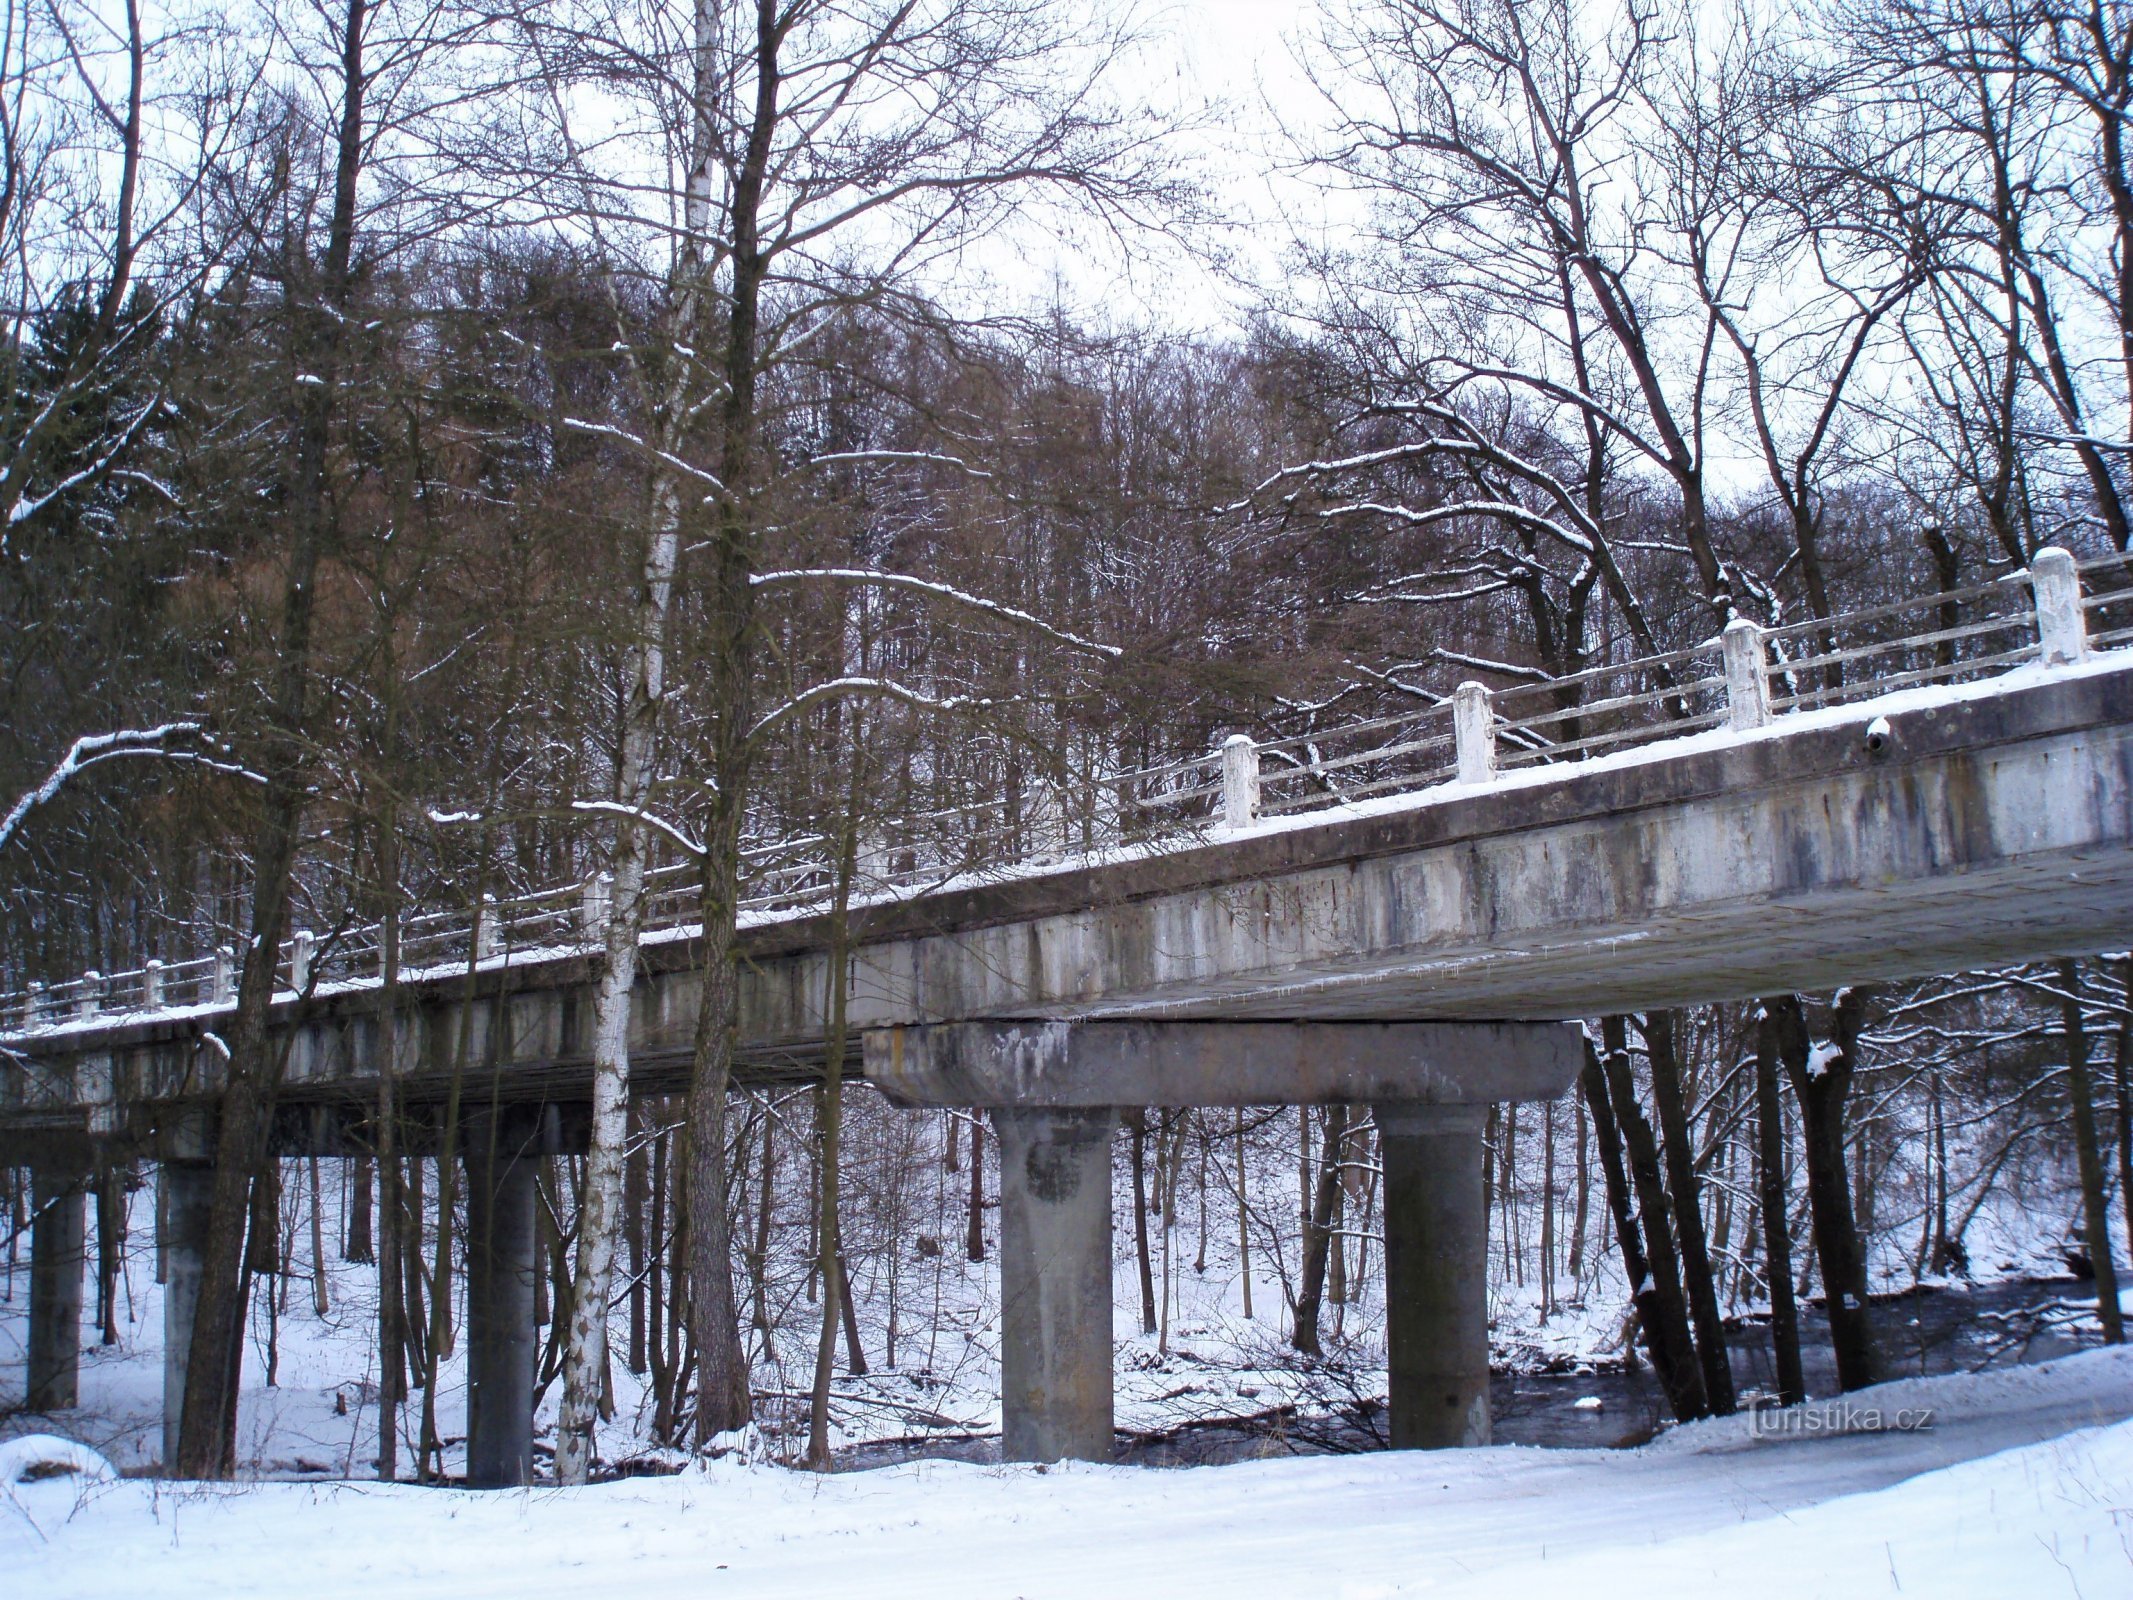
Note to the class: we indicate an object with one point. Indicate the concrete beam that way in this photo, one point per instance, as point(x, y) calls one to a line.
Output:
point(1222, 1063)
point(1055, 1283)
point(1436, 1275)
point(56, 1239)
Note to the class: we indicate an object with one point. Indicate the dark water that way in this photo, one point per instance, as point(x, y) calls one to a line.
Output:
point(1919, 1333)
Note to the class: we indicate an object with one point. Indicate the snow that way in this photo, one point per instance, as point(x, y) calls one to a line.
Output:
point(2024, 1485)
point(35, 1457)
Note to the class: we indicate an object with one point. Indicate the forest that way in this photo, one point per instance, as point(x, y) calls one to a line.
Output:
point(452, 449)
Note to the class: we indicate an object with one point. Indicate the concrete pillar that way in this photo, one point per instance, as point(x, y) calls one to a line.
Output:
point(2062, 623)
point(1055, 1283)
point(1473, 733)
point(1436, 1274)
point(184, 1191)
point(56, 1237)
point(1240, 781)
point(501, 1343)
point(1747, 667)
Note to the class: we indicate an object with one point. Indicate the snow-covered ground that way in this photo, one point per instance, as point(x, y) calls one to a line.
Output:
point(939, 1390)
point(2022, 1486)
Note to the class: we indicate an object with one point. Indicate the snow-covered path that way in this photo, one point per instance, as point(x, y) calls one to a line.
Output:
point(2024, 1486)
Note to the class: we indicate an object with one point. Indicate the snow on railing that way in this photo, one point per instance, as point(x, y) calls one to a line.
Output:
point(2056, 612)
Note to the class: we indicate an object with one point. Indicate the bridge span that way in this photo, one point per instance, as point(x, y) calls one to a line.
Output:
point(1413, 951)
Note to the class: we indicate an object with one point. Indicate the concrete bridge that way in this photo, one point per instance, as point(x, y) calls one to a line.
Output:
point(1412, 951)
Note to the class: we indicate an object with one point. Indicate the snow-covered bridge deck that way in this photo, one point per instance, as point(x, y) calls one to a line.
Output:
point(1983, 823)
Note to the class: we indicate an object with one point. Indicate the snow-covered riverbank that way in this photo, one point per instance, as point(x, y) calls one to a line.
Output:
point(2023, 1485)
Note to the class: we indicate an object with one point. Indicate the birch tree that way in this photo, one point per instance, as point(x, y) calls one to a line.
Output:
point(800, 156)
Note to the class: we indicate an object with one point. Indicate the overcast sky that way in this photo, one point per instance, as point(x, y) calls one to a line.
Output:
point(1236, 55)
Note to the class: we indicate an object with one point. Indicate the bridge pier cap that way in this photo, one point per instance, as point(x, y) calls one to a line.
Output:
point(1096, 1064)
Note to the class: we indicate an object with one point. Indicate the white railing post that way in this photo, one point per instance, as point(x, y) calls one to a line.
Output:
point(152, 985)
point(592, 911)
point(35, 1009)
point(486, 940)
point(873, 863)
point(1474, 733)
point(2062, 628)
point(222, 987)
point(91, 996)
point(1747, 675)
point(300, 959)
point(1240, 781)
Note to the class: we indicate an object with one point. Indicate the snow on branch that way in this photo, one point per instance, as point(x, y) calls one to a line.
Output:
point(1316, 469)
point(1506, 510)
point(26, 506)
point(665, 458)
point(884, 688)
point(93, 749)
point(1455, 658)
point(690, 847)
point(901, 580)
point(929, 457)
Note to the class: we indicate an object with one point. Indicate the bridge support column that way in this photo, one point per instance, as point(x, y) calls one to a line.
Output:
point(501, 1169)
point(1436, 1274)
point(1055, 1282)
point(184, 1193)
point(56, 1240)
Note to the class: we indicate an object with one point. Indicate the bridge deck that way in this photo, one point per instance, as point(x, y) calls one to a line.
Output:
point(1994, 825)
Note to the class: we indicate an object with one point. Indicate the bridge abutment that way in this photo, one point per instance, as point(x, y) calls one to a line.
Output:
point(58, 1234)
point(501, 1167)
point(1055, 1282)
point(1436, 1274)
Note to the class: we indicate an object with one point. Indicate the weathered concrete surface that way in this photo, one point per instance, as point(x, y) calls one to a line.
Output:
point(1436, 1275)
point(1989, 829)
point(1055, 1283)
point(1222, 1063)
point(184, 1190)
point(57, 1234)
point(502, 1162)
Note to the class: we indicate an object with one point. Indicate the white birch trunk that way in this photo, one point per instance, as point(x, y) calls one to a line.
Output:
point(600, 1212)
point(600, 1218)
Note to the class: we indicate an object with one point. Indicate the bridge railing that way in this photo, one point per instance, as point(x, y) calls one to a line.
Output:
point(2055, 612)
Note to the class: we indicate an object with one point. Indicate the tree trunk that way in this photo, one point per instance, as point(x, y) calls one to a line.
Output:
point(1137, 1124)
point(1581, 1215)
point(830, 1119)
point(1821, 1077)
point(1680, 1370)
point(2095, 1205)
point(111, 1245)
point(1687, 1195)
point(974, 1221)
point(319, 1304)
point(206, 1438)
point(636, 1196)
point(1776, 1201)
point(2124, 1076)
point(358, 1247)
point(1244, 1223)
point(1318, 1238)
